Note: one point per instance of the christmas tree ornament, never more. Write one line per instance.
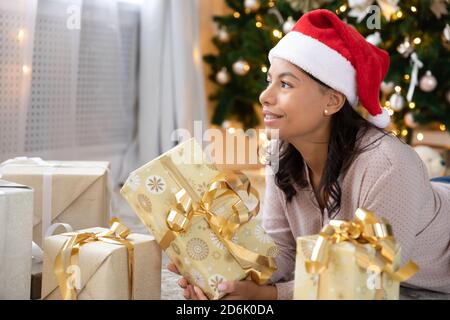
(405, 48)
(223, 77)
(307, 5)
(409, 120)
(223, 35)
(288, 25)
(226, 124)
(360, 8)
(387, 87)
(397, 102)
(374, 38)
(428, 82)
(241, 67)
(446, 37)
(439, 8)
(417, 64)
(251, 5)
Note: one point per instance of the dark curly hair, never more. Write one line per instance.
(347, 128)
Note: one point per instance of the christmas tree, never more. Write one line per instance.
(416, 34)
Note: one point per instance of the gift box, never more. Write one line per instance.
(16, 217)
(74, 192)
(110, 264)
(356, 260)
(202, 218)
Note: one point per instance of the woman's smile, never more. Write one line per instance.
(271, 118)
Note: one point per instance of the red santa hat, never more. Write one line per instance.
(336, 54)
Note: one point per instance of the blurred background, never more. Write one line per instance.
(112, 79)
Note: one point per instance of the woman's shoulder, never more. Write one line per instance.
(384, 147)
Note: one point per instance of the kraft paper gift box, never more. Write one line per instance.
(16, 225)
(102, 271)
(73, 192)
(351, 270)
(200, 253)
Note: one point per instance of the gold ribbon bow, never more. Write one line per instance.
(224, 187)
(365, 229)
(117, 234)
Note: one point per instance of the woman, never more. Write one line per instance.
(333, 161)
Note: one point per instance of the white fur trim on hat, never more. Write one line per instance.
(319, 60)
(381, 120)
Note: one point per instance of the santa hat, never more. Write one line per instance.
(336, 54)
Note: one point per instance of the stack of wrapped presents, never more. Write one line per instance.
(60, 240)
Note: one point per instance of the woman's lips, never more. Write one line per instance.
(270, 118)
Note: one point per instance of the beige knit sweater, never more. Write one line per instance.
(390, 180)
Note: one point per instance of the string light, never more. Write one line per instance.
(399, 14)
(417, 40)
(413, 9)
(271, 4)
(406, 76)
(412, 105)
(420, 136)
(442, 127)
(25, 69)
(391, 112)
(398, 89)
(262, 136)
(277, 33)
(231, 130)
(343, 8)
(387, 104)
(20, 35)
(404, 133)
(264, 68)
(258, 24)
(236, 14)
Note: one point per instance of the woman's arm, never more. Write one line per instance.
(276, 224)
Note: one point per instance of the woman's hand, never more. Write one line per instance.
(247, 290)
(191, 292)
(235, 290)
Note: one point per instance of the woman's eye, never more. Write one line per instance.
(285, 85)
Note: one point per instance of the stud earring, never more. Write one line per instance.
(326, 112)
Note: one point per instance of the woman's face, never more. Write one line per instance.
(293, 103)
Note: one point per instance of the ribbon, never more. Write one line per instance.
(117, 234)
(47, 184)
(417, 64)
(228, 187)
(365, 229)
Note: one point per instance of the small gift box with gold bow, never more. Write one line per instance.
(101, 264)
(202, 218)
(356, 260)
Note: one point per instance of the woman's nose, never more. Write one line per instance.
(267, 97)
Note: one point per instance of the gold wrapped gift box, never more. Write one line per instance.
(202, 218)
(64, 190)
(97, 264)
(356, 260)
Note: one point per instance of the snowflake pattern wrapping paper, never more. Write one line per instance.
(197, 252)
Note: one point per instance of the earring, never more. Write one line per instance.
(325, 112)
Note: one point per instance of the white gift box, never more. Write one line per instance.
(16, 229)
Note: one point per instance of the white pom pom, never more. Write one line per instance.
(380, 120)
